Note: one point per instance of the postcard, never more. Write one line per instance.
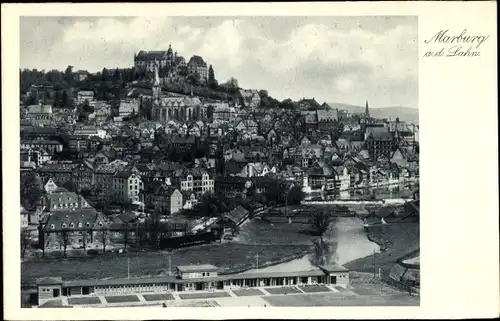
(255, 160)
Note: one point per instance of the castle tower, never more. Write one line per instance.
(170, 53)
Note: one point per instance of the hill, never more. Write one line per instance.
(404, 113)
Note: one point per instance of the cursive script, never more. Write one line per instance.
(443, 37)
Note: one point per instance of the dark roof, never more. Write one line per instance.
(237, 214)
(151, 55)
(197, 60)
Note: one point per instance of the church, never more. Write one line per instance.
(177, 108)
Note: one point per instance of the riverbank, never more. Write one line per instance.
(395, 240)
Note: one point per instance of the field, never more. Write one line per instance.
(122, 298)
(260, 231)
(338, 299)
(84, 301)
(158, 297)
(314, 288)
(282, 290)
(247, 292)
(396, 240)
(230, 257)
(206, 295)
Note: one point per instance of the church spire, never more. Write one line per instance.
(156, 81)
(367, 112)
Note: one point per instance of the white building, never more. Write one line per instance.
(127, 186)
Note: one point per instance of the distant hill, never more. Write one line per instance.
(404, 113)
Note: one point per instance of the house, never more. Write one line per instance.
(247, 126)
(81, 75)
(29, 133)
(257, 169)
(232, 186)
(39, 115)
(190, 200)
(61, 173)
(61, 199)
(379, 141)
(308, 104)
(36, 155)
(126, 186)
(194, 180)
(320, 176)
(77, 227)
(238, 215)
(51, 146)
(251, 98)
(49, 185)
(83, 176)
(163, 199)
(89, 131)
(327, 119)
(104, 178)
(182, 143)
(197, 65)
(128, 108)
(84, 95)
(24, 217)
(311, 121)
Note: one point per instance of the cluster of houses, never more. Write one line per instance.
(122, 155)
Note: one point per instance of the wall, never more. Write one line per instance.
(45, 292)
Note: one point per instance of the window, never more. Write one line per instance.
(72, 225)
(100, 224)
(52, 226)
(63, 225)
(88, 224)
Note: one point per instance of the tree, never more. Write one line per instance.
(295, 195)
(212, 83)
(105, 75)
(126, 235)
(31, 190)
(103, 237)
(320, 222)
(63, 240)
(323, 252)
(65, 101)
(25, 241)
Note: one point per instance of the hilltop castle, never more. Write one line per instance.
(170, 64)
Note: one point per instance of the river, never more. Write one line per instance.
(351, 243)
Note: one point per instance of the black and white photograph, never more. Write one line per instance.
(256, 161)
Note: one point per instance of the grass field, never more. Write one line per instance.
(83, 301)
(121, 298)
(396, 239)
(207, 295)
(282, 290)
(259, 231)
(158, 297)
(314, 288)
(230, 257)
(247, 292)
(338, 299)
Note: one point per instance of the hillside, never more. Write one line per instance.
(404, 113)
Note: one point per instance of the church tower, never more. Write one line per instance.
(367, 111)
(156, 84)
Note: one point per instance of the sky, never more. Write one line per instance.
(332, 59)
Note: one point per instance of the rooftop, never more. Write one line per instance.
(197, 268)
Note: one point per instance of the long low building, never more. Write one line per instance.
(188, 278)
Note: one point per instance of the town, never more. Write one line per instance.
(161, 161)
